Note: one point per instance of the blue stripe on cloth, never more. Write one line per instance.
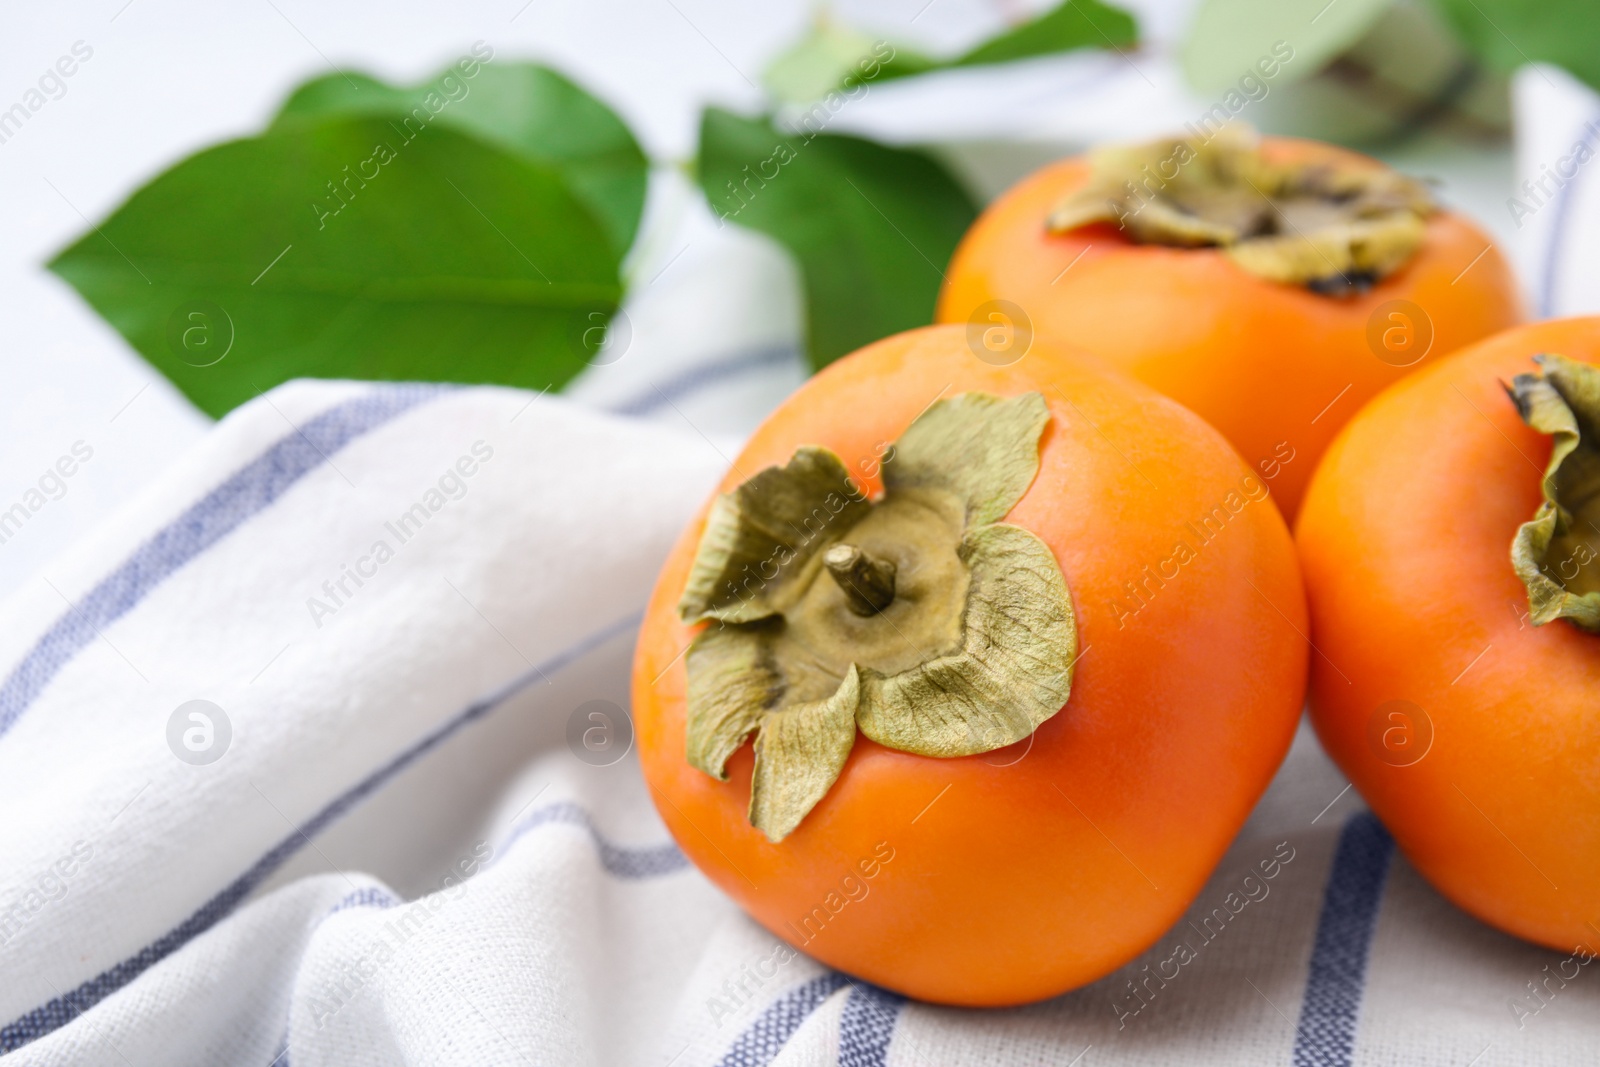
(371, 896)
(1327, 1032)
(61, 1010)
(250, 490)
(697, 378)
(773, 1028)
(867, 1026)
(1558, 227)
(631, 863)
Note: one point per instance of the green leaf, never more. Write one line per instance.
(1229, 37)
(832, 56)
(434, 257)
(1074, 24)
(1506, 34)
(872, 227)
(526, 108)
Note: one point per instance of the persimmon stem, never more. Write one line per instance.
(868, 582)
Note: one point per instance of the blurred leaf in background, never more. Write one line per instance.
(872, 227)
(1227, 37)
(833, 56)
(375, 242)
(524, 107)
(1074, 24)
(1379, 71)
(1509, 33)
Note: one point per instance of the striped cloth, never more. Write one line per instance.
(1556, 201)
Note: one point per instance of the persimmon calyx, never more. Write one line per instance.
(1335, 229)
(1552, 552)
(766, 524)
(935, 629)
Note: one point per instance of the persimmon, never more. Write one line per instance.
(1020, 647)
(1452, 604)
(1271, 287)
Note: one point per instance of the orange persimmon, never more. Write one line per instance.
(1463, 713)
(1037, 866)
(1277, 367)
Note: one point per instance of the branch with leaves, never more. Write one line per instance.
(473, 228)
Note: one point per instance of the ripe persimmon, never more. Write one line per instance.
(1271, 287)
(1020, 648)
(1456, 682)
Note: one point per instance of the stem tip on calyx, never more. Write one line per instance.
(868, 582)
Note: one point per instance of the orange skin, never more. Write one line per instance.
(1031, 870)
(1277, 368)
(1405, 543)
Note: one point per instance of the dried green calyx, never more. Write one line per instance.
(1335, 229)
(919, 618)
(1557, 554)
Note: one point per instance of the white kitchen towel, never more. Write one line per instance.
(1555, 205)
(385, 838)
